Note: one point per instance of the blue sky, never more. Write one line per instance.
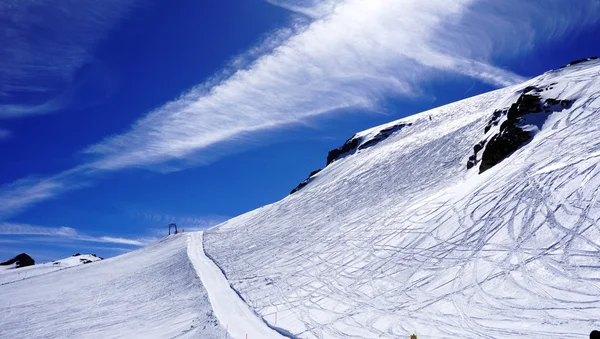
(121, 116)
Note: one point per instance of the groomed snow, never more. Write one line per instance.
(150, 293)
(402, 238)
(232, 312)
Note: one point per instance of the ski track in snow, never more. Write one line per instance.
(232, 312)
(153, 292)
(401, 238)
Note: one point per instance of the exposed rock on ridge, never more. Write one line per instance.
(21, 260)
(521, 120)
(352, 145)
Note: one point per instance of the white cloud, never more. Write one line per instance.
(22, 193)
(118, 240)
(23, 229)
(67, 233)
(311, 8)
(19, 195)
(43, 44)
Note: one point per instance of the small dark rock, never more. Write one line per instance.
(305, 182)
(478, 147)
(471, 162)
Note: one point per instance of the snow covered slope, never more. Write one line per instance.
(11, 273)
(479, 219)
(150, 293)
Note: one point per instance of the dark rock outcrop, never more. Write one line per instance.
(529, 109)
(382, 135)
(306, 181)
(580, 61)
(352, 145)
(473, 158)
(349, 146)
(21, 260)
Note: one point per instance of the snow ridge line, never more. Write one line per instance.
(229, 308)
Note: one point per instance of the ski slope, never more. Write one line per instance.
(401, 237)
(239, 319)
(153, 292)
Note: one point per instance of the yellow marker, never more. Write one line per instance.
(413, 336)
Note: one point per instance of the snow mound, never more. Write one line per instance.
(407, 235)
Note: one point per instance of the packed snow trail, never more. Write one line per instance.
(231, 311)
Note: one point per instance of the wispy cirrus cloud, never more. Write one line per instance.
(311, 8)
(26, 229)
(68, 233)
(44, 43)
(20, 194)
(356, 54)
(348, 53)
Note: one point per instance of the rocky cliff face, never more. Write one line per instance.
(519, 124)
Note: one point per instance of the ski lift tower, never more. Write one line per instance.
(173, 226)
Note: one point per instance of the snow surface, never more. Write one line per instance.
(153, 292)
(8, 267)
(401, 237)
(232, 312)
(13, 274)
(389, 240)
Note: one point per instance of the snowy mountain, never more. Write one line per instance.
(479, 219)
